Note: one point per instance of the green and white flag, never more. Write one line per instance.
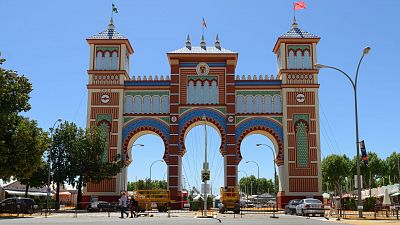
(114, 9)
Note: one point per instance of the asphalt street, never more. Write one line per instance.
(175, 219)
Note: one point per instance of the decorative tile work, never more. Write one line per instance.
(146, 122)
(143, 93)
(163, 118)
(203, 78)
(100, 117)
(147, 83)
(302, 144)
(301, 47)
(101, 48)
(240, 118)
(104, 122)
(277, 128)
(297, 117)
(258, 83)
(184, 109)
(278, 118)
(259, 92)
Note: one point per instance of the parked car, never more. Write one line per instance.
(310, 206)
(18, 205)
(290, 208)
(100, 206)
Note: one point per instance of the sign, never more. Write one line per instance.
(205, 188)
(355, 181)
(364, 153)
(205, 175)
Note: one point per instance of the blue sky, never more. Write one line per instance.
(45, 40)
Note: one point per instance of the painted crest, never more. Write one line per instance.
(202, 69)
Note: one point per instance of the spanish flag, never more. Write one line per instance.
(299, 5)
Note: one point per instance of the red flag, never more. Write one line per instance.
(299, 5)
(204, 24)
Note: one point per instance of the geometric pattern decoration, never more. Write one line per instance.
(302, 144)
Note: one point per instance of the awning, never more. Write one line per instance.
(395, 194)
(22, 193)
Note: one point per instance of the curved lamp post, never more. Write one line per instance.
(150, 169)
(354, 84)
(258, 172)
(49, 160)
(245, 186)
(273, 154)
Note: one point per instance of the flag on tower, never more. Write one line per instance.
(114, 9)
(300, 5)
(203, 24)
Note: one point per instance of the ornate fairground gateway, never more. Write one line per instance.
(202, 81)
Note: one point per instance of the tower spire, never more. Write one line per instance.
(203, 43)
(217, 43)
(294, 24)
(188, 43)
(111, 24)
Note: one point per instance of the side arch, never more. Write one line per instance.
(139, 127)
(263, 126)
(216, 119)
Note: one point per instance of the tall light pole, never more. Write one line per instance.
(354, 84)
(245, 186)
(49, 162)
(275, 193)
(125, 176)
(150, 169)
(258, 173)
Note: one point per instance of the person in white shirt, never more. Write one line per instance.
(122, 204)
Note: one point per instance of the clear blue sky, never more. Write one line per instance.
(45, 40)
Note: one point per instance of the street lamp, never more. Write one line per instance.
(125, 177)
(49, 160)
(273, 154)
(152, 166)
(354, 84)
(258, 172)
(245, 186)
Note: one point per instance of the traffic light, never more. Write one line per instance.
(364, 153)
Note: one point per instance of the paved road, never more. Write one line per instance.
(176, 219)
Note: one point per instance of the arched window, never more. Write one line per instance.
(307, 60)
(291, 60)
(128, 104)
(249, 104)
(99, 60)
(198, 92)
(258, 106)
(302, 143)
(190, 94)
(107, 61)
(214, 92)
(127, 63)
(114, 61)
(268, 104)
(277, 104)
(206, 92)
(299, 60)
(156, 104)
(137, 104)
(146, 104)
(240, 104)
(164, 104)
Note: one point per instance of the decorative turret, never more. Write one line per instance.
(188, 44)
(217, 43)
(203, 43)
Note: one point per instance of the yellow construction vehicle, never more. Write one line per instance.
(149, 199)
(230, 200)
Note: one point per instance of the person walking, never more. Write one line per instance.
(122, 204)
(134, 206)
(331, 207)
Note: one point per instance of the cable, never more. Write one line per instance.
(330, 129)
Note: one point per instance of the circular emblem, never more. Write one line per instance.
(230, 119)
(300, 97)
(174, 119)
(105, 98)
(202, 69)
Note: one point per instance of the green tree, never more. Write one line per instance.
(14, 98)
(335, 170)
(85, 160)
(64, 141)
(266, 185)
(375, 171)
(37, 179)
(393, 163)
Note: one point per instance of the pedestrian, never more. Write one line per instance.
(134, 207)
(330, 207)
(122, 204)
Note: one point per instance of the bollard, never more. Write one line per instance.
(108, 213)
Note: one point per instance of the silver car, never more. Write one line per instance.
(310, 206)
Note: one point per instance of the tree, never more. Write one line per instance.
(374, 172)
(393, 163)
(37, 179)
(266, 185)
(14, 97)
(85, 160)
(335, 170)
(64, 142)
